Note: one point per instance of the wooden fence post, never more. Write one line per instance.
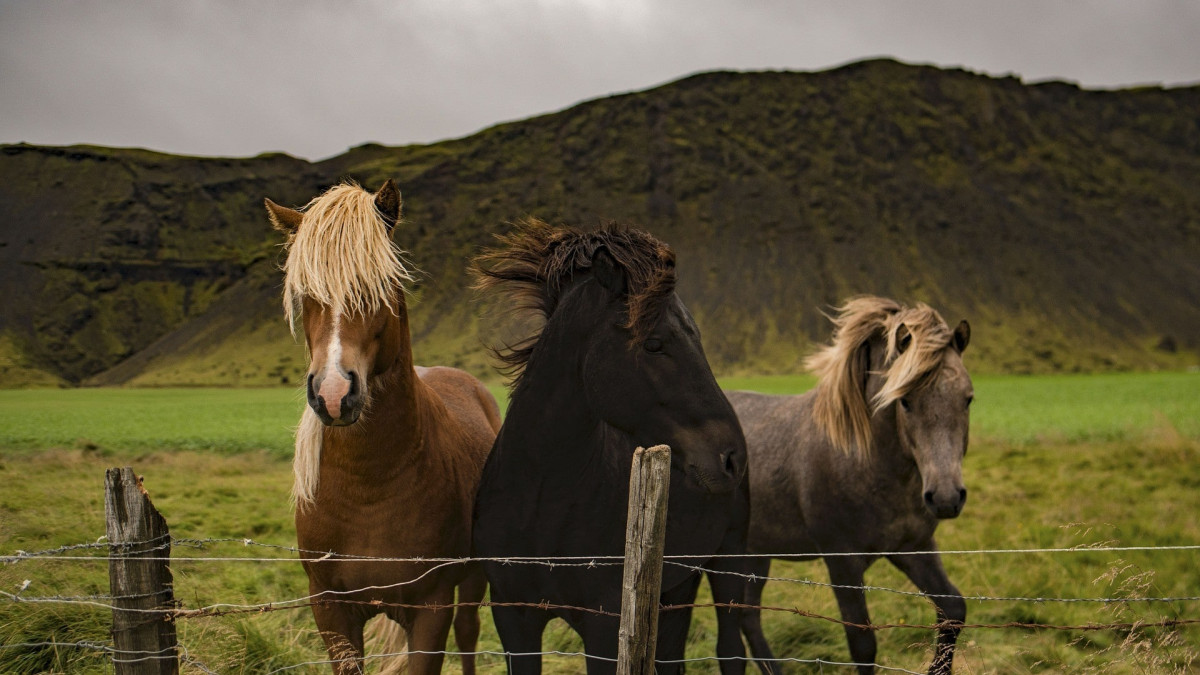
(645, 535)
(143, 639)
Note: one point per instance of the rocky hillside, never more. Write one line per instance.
(1063, 223)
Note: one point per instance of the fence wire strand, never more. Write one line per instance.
(101, 601)
(187, 658)
(197, 543)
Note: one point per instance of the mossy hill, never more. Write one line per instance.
(1063, 223)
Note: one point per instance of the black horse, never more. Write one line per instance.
(617, 364)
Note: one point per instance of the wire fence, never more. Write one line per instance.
(99, 551)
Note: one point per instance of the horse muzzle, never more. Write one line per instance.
(337, 401)
(945, 503)
(721, 475)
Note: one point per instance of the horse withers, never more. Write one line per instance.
(388, 454)
(864, 465)
(617, 364)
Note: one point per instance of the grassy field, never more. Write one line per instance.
(1008, 409)
(1055, 462)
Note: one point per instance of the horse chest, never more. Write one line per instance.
(392, 526)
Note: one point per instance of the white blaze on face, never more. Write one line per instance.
(334, 385)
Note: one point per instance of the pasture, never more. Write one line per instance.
(1055, 462)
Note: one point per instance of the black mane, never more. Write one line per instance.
(535, 262)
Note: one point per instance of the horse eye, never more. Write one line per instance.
(653, 345)
(904, 404)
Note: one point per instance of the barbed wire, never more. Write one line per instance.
(434, 564)
(201, 543)
(575, 562)
(700, 659)
(226, 609)
(922, 594)
(187, 658)
(305, 600)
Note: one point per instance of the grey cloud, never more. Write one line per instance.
(313, 78)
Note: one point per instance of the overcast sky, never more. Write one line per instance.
(240, 77)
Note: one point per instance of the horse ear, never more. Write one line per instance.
(607, 272)
(387, 200)
(282, 218)
(962, 336)
(903, 339)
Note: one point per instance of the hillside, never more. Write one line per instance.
(1063, 223)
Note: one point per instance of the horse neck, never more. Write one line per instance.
(393, 425)
(549, 411)
(887, 457)
(884, 459)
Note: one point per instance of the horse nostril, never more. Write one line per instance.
(962, 495)
(929, 497)
(312, 396)
(729, 461)
(353, 384)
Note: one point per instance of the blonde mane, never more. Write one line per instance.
(840, 408)
(307, 461)
(342, 256)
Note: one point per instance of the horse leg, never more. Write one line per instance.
(341, 627)
(600, 642)
(751, 617)
(927, 573)
(466, 618)
(520, 630)
(846, 574)
(727, 579)
(673, 626)
(427, 636)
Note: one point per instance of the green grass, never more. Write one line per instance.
(1055, 462)
(222, 420)
(226, 420)
(1103, 407)
(1011, 409)
(1070, 408)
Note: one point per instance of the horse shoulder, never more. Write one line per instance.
(772, 425)
(459, 426)
(464, 402)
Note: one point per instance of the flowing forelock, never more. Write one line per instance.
(840, 408)
(532, 265)
(342, 256)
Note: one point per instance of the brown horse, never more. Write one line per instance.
(388, 454)
(867, 463)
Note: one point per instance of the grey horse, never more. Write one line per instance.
(867, 464)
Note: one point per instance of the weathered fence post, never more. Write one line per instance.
(140, 578)
(645, 534)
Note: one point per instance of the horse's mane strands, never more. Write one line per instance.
(908, 371)
(342, 256)
(307, 463)
(840, 408)
(534, 263)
